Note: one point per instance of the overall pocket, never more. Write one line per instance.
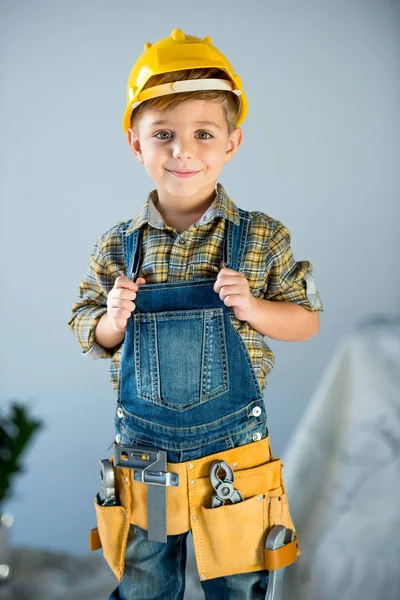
(113, 528)
(180, 357)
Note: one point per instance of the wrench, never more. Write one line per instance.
(278, 536)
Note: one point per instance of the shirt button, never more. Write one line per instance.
(182, 241)
(120, 412)
(256, 412)
(118, 438)
(256, 436)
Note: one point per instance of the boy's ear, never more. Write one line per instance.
(235, 140)
(134, 143)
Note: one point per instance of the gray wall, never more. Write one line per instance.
(320, 153)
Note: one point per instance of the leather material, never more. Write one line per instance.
(216, 531)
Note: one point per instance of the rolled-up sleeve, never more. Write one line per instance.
(286, 279)
(92, 305)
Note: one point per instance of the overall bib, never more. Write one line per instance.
(187, 385)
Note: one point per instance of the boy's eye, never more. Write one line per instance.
(168, 134)
(161, 132)
(206, 132)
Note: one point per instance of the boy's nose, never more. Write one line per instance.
(182, 151)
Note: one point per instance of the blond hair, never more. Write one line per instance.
(230, 102)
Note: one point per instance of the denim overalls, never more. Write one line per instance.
(186, 385)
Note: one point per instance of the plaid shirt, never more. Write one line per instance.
(167, 255)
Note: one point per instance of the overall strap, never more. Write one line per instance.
(132, 251)
(235, 240)
(234, 245)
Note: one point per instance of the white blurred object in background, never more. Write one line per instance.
(342, 473)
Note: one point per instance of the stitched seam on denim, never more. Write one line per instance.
(182, 407)
(181, 314)
(230, 243)
(119, 384)
(251, 428)
(115, 380)
(234, 231)
(205, 426)
(241, 229)
(204, 356)
(125, 247)
(138, 253)
(249, 362)
(155, 396)
(243, 241)
(150, 439)
(222, 341)
(168, 284)
(154, 361)
(137, 357)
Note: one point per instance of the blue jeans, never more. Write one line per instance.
(156, 571)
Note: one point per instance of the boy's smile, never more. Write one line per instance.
(184, 150)
(184, 173)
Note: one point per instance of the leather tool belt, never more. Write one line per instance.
(216, 531)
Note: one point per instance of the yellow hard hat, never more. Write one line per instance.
(178, 52)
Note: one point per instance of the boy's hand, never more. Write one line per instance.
(233, 289)
(119, 301)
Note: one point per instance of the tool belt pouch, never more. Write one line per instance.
(113, 524)
(230, 539)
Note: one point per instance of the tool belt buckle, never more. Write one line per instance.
(149, 466)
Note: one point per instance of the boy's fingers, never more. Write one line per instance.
(124, 282)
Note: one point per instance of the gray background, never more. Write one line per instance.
(320, 153)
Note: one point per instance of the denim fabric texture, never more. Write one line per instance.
(156, 571)
(186, 385)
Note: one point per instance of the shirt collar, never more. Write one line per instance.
(221, 206)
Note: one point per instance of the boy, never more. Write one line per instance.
(180, 298)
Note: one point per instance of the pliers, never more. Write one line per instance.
(224, 489)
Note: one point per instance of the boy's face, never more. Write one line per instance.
(192, 136)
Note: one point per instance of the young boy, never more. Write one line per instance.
(180, 298)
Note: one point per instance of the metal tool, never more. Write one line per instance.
(224, 489)
(278, 536)
(106, 495)
(141, 459)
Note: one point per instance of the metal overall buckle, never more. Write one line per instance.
(149, 466)
(224, 489)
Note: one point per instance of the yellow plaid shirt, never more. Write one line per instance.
(167, 255)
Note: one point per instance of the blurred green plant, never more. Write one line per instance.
(16, 430)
